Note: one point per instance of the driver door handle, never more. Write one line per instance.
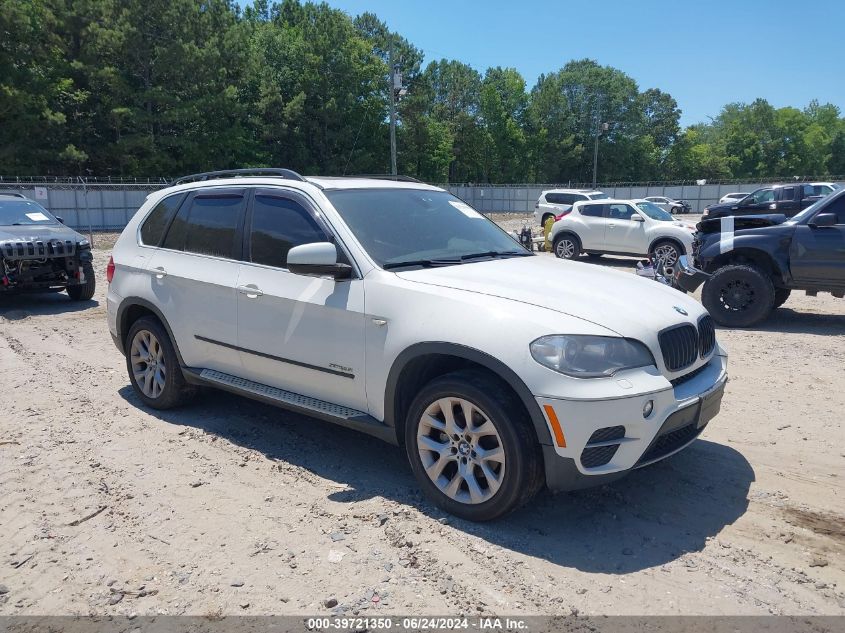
(159, 273)
(251, 291)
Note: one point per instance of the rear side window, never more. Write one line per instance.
(787, 193)
(593, 210)
(279, 224)
(562, 198)
(207, 226)
(154, 226)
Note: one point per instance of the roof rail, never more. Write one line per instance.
(274, 172)
(398, 178)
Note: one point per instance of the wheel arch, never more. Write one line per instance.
(749, 256)
(422, 362)
(132, 309)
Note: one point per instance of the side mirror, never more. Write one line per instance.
(318, 259)
(823, 220)
(61, 220)
(637, 218)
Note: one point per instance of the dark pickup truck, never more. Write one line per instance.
(786, 199)
(750, 264)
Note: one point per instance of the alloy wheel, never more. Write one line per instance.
(461, 450)
(565, 248)
(148, 366)
(667, 254)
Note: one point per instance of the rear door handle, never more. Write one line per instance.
(159, 273)
(251, 290)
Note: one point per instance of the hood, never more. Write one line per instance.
(714, 225)
(42, 232)
(622, 302)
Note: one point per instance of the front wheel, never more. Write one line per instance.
(85, 290)
(666, 252)
(471, 446)
(738, 296)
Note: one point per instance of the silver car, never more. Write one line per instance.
(670, 204)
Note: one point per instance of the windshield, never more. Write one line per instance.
(21, 212)
(654, 212)
(809, 211)
(416, 227)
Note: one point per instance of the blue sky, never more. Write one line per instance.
(705, 54)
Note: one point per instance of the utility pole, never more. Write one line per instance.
(600, 127)
(392, 90)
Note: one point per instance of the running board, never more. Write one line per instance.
(338, 414)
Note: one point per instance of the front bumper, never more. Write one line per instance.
(687, 277)
(605, 439)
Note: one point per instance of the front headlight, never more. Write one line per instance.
(583, 356)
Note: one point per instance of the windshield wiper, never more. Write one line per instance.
(425, 263)
(495, 254)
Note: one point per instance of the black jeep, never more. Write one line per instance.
(750, 264)
(38, 253)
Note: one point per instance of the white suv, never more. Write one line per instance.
(393, 308)
(621, 227)
(555, 202)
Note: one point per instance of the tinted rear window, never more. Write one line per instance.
(154, 226)
(593, 210)
(207, 226)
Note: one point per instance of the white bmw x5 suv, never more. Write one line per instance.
(393, 308)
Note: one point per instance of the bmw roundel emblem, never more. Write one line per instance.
(680, 310)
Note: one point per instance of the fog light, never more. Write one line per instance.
(648, 407)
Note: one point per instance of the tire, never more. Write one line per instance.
(166, 387)
(489, 402)
(781, 295)
(566, 246)
(738, 296)
(669, 250)
(84, 291)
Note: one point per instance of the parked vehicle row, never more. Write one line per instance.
(393, 308)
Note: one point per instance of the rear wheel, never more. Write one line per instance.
(781, 295)
(471, 446)
(738, 295)
(154, 366)
(566, 246)
(85, 290)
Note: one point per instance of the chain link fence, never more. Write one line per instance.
(89, 204)
(107, 204)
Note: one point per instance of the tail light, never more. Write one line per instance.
(558, 217)
(110, 269)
